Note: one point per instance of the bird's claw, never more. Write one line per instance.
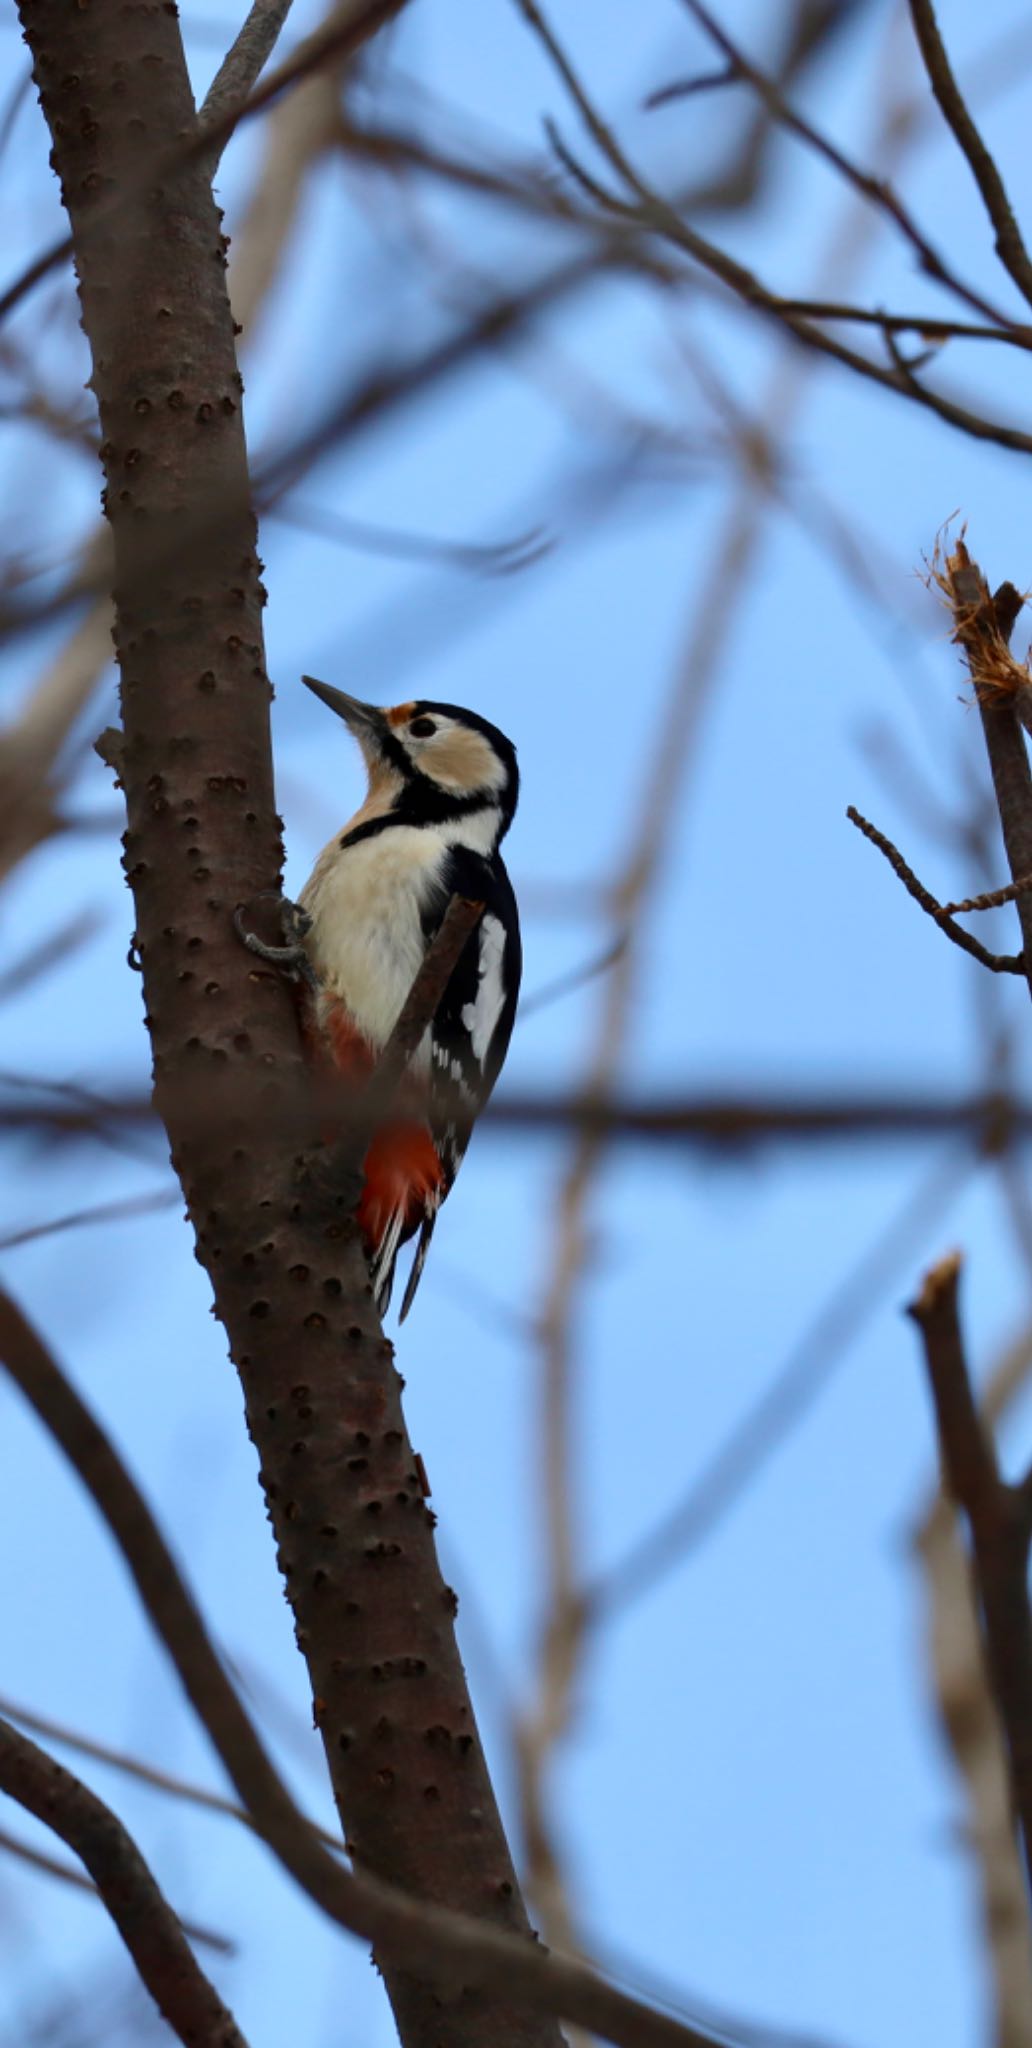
(291, 957)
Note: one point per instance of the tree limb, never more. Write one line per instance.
(241, 66)
(1010, 246)
(66, 1873)
(998, 963)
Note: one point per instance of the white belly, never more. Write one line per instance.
(366, 941)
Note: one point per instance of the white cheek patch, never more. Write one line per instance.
(481, 1017)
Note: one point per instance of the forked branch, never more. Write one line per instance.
(998, 963)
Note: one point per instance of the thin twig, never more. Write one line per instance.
(339, 38)
(998, 963)
(998, 1519)
(1010, 246)
(102, 1212)
(921, 324)
(144, 1773)
(993, 899)
(242, 66)
(144, 1919)
(655, 215)
(66, 1873)
(873, 189)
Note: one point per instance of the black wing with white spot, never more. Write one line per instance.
(470, 1033)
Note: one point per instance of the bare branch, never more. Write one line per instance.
(347, 31)
(144, 1773)
(998, 963)
(991, 899)
(876, 190)
(656, 215)
(1010, 246)
(66, 1873)
(148, 1926)
(242, 66)
(102, 1212)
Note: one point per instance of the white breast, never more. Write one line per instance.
(367, 941)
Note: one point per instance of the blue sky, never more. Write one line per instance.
(754, 1800)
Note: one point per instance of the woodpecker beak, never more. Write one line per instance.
(366, 721)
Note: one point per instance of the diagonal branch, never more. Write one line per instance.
(650, 212)
(1010, 246)
(241, 67)
(136, 1767)
(999, 963)
(876, 190)
(348, 29)
(66, 1873)
(144, 1919)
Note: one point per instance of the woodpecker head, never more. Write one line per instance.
(428, 762)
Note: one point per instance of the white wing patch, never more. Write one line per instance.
(480, 1017)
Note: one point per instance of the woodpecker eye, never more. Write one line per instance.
(422, 728)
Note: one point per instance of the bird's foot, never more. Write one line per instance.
(291, 957)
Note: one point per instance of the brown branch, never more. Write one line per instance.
(999, 1525)
(921, 324)
(144, 1773)
(347, 30)
(241, 66)
(731, 1123)
(1010, 246)
(444, 1948)
(656, 215)
(101, 1212)
(144, 1919)
(998, 963)
(66, 1873)
(991, 899)
(875, 190)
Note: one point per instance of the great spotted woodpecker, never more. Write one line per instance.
(443, 785)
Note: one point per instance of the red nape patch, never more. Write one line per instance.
(402, 1171)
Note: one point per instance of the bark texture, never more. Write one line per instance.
(373, 1616)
